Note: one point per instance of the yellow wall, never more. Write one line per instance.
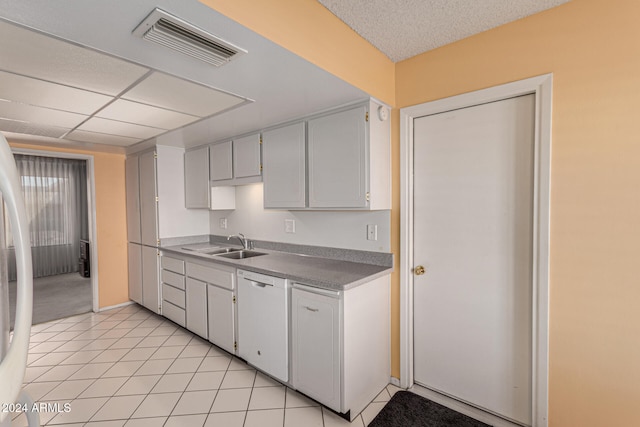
(111, 223)
(592, 47)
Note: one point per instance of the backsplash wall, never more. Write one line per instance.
(340, 229)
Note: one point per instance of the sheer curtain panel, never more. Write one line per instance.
(55, 194)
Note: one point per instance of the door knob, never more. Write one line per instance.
(419, 270)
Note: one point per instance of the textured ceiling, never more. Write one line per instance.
(404, 28)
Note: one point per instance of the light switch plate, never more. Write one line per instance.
(289, 225)
(222, 222)
(372, 232)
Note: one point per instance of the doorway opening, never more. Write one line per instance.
(59, 199)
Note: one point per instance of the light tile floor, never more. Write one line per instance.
(130, 367)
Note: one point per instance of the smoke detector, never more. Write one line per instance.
(170, 31)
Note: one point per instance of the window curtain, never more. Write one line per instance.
(55, 195)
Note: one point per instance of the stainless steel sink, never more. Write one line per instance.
(200, 248)
(241, 254)
(220, 251)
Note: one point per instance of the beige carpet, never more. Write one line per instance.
(55, 297)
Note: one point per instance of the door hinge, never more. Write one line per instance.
(158, 243)
(155, 155)
(234, 299)
(366, 116)
(368, 196)
(157, 199)
(260, 167)
(260, 139)
(235, 345)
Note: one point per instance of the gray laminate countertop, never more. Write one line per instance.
(315, 271)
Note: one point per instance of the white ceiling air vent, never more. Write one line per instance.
(174, 33)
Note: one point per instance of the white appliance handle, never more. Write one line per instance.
(14, 365)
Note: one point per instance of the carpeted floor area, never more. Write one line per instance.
(406, 409)
(55, 297)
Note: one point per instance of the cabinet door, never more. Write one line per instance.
(220, 161)
(338, 164)
(135, 272)
(221, 318)
(284, 174)
(246, 156)
(196, 178)
(148, 203)
(150, 285)
(133, 199)
(315, 335)
(196, 307)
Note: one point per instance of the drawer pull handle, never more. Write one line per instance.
(311, 309)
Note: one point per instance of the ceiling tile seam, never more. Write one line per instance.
(225, 92)
(114, 99)
(43, 107)
(54, 83)
(233, 107)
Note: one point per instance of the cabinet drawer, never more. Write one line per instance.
(219, 277)
(174, 313)
(173, 264)
(173, 295)
(173, 279)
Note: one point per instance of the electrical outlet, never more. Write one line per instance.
(222, 222)
(289, 225)
(372, 232)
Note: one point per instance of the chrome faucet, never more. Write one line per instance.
(246, 243)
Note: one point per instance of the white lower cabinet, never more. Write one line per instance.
(150, 287)
(196, 307)
(219, 313)
(173, 289)
(222, 315)
(315, 330)
(135, 272)
(340, 344)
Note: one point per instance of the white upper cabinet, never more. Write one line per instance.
(284, 158)
(133, 199)
(221, 161)
(148, 199)
(235, 162)
(342, 162)
(338, 170)
(196, 175)
(246, 156)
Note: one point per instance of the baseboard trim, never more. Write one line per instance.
(395, 381)
(111, 307)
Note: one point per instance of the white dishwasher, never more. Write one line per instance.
(263, 333)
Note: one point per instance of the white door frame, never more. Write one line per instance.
(541, 86)
(91, 209)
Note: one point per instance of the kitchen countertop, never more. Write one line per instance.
(320, 272)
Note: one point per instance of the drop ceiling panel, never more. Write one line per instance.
(177, 94)
(133, 112)
(26, 90)
(16, 126)
(40, 115)
(96, 124)
(29, 53)
(101, 138)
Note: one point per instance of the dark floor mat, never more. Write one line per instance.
(406, 409)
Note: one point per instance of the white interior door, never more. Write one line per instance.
(473, 233)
